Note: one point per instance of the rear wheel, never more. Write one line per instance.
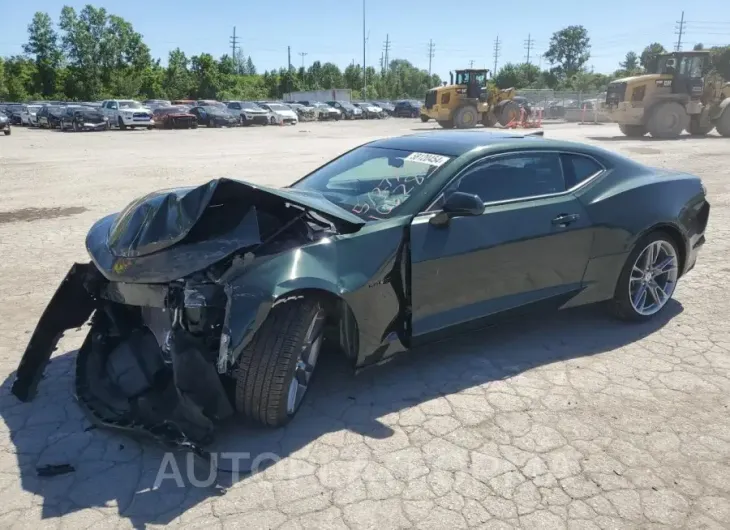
(446, 124)
(723, 123)
(466, 117)
(75, 126)
(489, 119)
(276, 368)
(668, 120)
(6, 132)
(424, 118)
(648, 278)
(699, 125)
(120, 122)
(508, 112)
(632, 131)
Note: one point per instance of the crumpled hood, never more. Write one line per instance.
(169, 234)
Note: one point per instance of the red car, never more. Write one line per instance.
(174, 118)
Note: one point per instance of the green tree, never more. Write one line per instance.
(569, 50)
(648, 58)
(3, 88)
(177, 79)
(518, 76)
(43, 45)
(330, 76)
(699, 46)
(720, 61)
(205, 76)
(630, 62)
(20, 73)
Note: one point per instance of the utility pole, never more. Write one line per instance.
(303, 54)
(496, 55)
(382, 62)
(431, 48)
(288, 57)
(234, 44)
(364, 70)
(386, 49)
(528, 44)
(680, 31)
(471, 63)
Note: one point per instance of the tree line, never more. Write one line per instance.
(93, 54)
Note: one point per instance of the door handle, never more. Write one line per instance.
(565, 219)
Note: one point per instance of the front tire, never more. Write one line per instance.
(668, 120)
(6, 132)
(723, 123)
(276, 368)
(466, 117)
(424, 119)
(120, 122)
(632, 131)
(648, 279)
(446, 124)
(508, 112)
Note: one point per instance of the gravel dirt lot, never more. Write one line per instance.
(561, 421)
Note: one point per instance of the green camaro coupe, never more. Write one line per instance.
(214, 300)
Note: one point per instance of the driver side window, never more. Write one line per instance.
(513, 177)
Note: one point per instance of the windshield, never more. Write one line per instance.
(250, 106)
(374, 183)
(130, 105)
(218, 111)
(278, 106)
(346, 105)
(34, 108)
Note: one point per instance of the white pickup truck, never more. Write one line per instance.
(125, 113)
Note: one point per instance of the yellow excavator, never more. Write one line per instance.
(677, 95)
(469, 101)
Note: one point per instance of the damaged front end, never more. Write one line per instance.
(163, 293)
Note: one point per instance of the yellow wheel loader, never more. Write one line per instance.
(676, 96)
(469, 101)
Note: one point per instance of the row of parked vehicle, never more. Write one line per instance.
(129, 114)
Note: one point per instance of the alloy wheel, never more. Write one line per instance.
(653, 277)
(306, 362)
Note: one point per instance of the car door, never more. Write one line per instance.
(531, 244)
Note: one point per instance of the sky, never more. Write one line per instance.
(332, 30)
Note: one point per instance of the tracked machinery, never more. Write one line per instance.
(468, 101)
(677, 95)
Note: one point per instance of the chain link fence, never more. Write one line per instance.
(564, 105)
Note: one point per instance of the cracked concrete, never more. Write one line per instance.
(559, 421)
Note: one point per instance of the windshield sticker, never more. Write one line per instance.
(427, 158)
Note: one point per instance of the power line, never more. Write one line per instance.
(431, 51)
(302, 54)
(681, 30)
(496, 54)
(529, 43)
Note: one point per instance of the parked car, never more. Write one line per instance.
(407, 109)
(49, 117)
(304, 112)
(13, 111)
(174, 117)
(127, 113)
(387, 107)
(83, 118)
(5, 126)
(280, 113)
(28, 115)
(348, 110)
(199, 290)
(369, 110)
(324, 111)
(214, 116)
(250, 112)
(210, 103)
(190, 103)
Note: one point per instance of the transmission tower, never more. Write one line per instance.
(431, 51)
(497, 49)
(234, 44)
(303, 54)
(680, 31)
(386, 52)
(529, 43)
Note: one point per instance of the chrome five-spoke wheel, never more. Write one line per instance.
(653, 277)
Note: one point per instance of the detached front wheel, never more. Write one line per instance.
(648, 279)
(276, 368)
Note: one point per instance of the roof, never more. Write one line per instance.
(457, 143)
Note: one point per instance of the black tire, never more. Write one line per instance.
(75, 126)
(632, 131)
(6, 132)
(507, 112)
(268, 364)
(466, 117)
(272, 121)
(194, 125)
(489, 119)
(446, 124)
(120, 122)
(621, 304)
(668, 120)
(723, 123)
(699, 127)
(424, 118)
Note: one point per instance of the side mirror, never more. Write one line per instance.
(458, 204)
